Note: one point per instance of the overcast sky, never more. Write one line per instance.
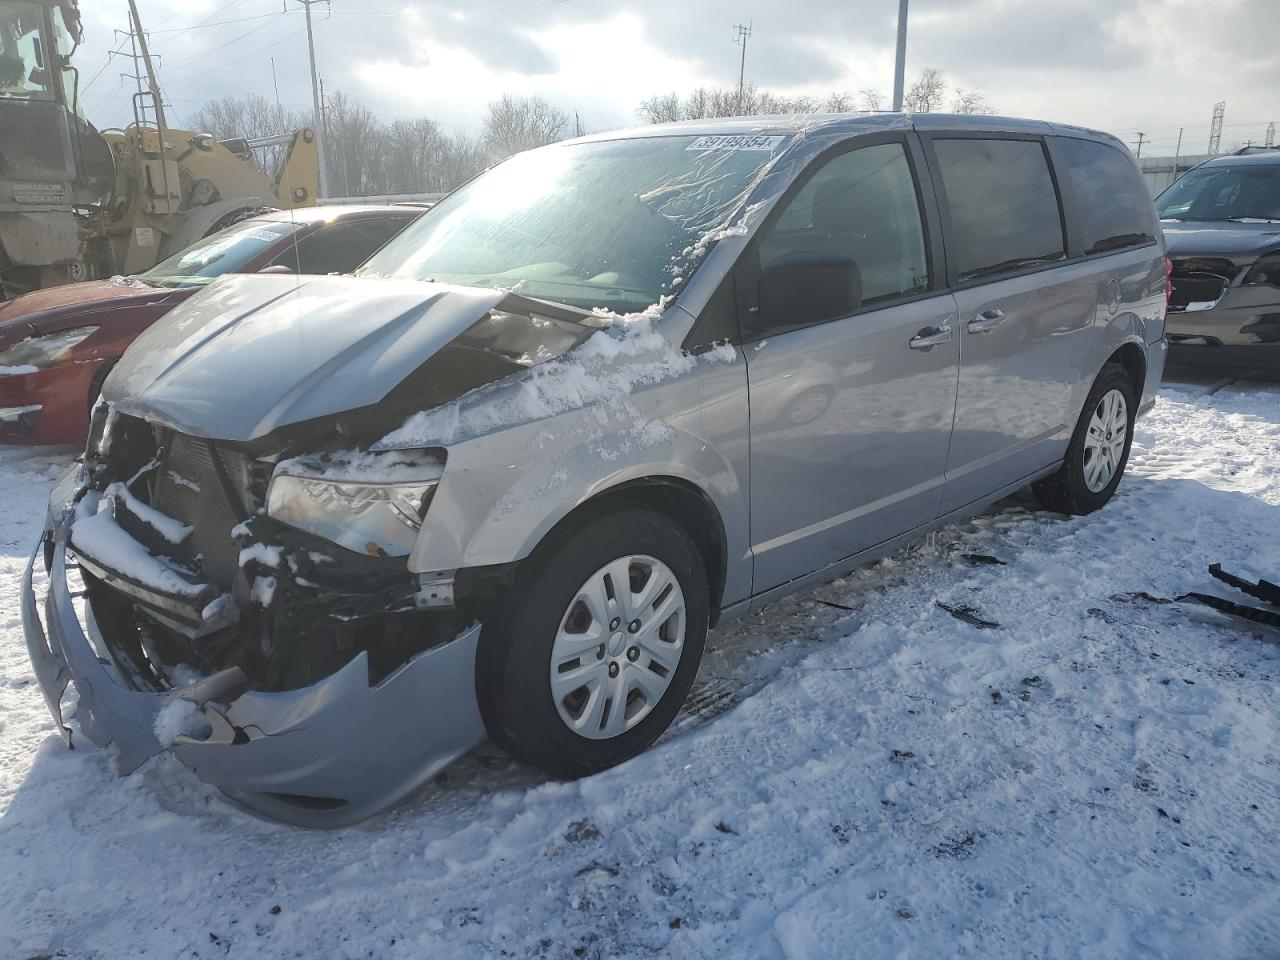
(1120, 65)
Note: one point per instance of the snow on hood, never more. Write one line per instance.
(252, 353)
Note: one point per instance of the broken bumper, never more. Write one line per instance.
(325, 756)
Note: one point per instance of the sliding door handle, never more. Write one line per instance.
(986, 321)
(930, 337)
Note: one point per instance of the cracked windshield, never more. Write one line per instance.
(590, 225)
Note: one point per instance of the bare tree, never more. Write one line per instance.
(251, 117)
(661, 108)
(838, 102)
(970, 101)
(871, 99)
(521, 123)
(926, 93)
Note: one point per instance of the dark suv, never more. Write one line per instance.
(1222, 224)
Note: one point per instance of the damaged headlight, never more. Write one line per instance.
(40, 352)
(377, 517)
(1265, 270)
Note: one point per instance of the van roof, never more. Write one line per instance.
(852, 124)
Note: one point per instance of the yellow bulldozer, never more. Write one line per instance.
(77, 203)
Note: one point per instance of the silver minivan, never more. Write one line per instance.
(332, 531)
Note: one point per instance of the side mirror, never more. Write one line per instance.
(276, 268)
(805, 288)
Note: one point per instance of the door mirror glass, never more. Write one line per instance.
(798, 289)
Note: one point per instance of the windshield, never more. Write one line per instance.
(608, 225)
(225, 252)
(1240, 192)
(24, 70)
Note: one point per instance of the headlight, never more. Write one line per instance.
(1266, 270)
(373, 517)
(44, 351)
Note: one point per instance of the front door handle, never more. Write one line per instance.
(986, 321)
(930, 337)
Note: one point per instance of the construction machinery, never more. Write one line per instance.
(78, 203)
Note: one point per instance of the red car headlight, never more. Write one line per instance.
(37, 353)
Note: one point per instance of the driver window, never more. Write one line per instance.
(861, 206)
(24, 70)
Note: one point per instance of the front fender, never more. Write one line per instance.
(504, 491)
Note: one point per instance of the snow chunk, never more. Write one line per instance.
(605, 370)
(263, 591)
(98, 535)
(180, 718)
(170, 529)
(182, 481)
(263, 554)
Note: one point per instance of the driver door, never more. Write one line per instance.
(851, 416)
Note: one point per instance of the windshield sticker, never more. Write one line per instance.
(744, 142)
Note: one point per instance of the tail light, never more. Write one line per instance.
(1168, 282)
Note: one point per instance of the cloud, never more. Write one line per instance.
(1116, 64)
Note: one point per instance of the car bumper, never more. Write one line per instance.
(328, 755)
(1242, 329)
(48, 406)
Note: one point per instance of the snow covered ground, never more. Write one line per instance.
(1098, 776)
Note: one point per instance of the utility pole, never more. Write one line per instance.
(742, 35)
(1141, 137)
(900, 64)
(317, 117)
(1215, 128)
(1177, 152)
(152, 84)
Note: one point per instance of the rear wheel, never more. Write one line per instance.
(599, 647)
(1099, 449)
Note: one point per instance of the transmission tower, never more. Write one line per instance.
(742, 33)
(1215, 129)
(1271, 134)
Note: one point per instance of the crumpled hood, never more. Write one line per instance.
(253, 353)
(1241, 242)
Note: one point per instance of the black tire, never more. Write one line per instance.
(515, 650)
(1067, 490)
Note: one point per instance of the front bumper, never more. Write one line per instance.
(1241, 330)
(328, 755)
(49, 406)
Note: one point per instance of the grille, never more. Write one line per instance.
(206, 486)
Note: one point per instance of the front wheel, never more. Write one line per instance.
(1099, 449)
(599, 646)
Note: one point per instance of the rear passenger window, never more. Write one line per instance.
(1004, 208)
(860, 205)
(1113, 207)
(341, 247)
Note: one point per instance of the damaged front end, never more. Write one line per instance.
(248, 600)
(315, 686)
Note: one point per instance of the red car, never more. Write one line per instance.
(57, 345)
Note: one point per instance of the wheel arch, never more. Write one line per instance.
(1134, 360)
(679, 500)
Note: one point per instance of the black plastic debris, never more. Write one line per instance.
(1263, 590)
(983, 560)
(968, 615)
